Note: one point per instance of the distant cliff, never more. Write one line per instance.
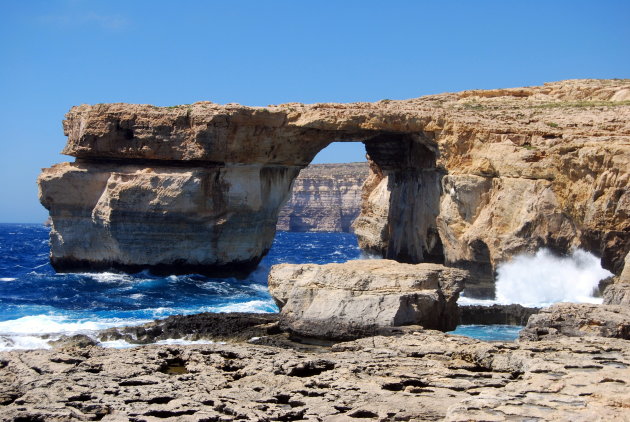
(325, 198)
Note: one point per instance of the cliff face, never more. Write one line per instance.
(467, 179)
(324, 198)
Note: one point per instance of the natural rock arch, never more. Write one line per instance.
(469, 178)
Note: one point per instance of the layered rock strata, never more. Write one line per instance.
(358, 298)
(324, 198)
(170, 219)
(424, 375)
(466, 179)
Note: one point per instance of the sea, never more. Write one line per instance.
(38, 305)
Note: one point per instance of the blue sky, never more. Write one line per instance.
(58, 53)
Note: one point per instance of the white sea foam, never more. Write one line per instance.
(369, 255)
(117, 344)
(28, 332)
(55, 324)
(544, 278)
(257, 306)
(106, 277)
(8, 279)
(180, 341)
(122, 344)
(22, 342)
(467, 301)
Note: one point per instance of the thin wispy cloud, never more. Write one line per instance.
(74, 19)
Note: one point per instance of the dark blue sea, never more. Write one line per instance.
(34, 300)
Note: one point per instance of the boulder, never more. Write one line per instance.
(578, 320)
(358, 298)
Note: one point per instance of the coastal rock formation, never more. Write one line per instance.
(217, 220)
(357, 298)
(467, 179)
(424, 375)
(578, 320)
(324, 198)
(513, 314)
(618, 292)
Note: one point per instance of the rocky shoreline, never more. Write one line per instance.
(259, 373)
(571, 362)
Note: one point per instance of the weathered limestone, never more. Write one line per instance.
(466, 179)
(424, 375)
(169, 219)
(618, 292)
(324, 198)
(357, 298)
(578, 320)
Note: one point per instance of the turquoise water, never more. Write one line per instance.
(489, 332)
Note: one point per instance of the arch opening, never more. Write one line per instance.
(398, 200)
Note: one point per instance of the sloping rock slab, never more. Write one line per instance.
(578, 320)
(358, 298)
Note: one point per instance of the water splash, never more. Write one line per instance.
(544, 278)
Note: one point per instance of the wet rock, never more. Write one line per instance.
(234, 326)
(76, 341)
(495, 314)
(358, 298)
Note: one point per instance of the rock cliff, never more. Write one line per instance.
(466, 179)
(324, 198)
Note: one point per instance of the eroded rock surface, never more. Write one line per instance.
(426, 375)
(324, 198)
(578, 320)
(618, 292)
(466, 179)
(357, 298)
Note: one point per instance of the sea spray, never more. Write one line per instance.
(544, 278)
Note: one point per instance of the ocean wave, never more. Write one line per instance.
(8, 279)
(544, 278)
(469, 301)
(57, 324)
(254, 306)
(108, 277)
(23, 342)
